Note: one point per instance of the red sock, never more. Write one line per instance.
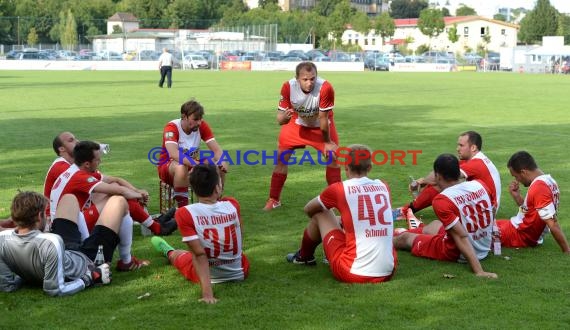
(137, 211)
(277, 183)
(424, 199)
(333, 175)
(181, 196)
(155, 228)
(308, 246)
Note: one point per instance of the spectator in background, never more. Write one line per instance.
(165, 67)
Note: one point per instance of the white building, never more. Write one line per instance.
(471, 30)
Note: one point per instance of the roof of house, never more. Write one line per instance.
(411, 22)
(123, 17)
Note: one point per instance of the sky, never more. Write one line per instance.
(489, 7)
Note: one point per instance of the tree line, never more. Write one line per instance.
(72, 22)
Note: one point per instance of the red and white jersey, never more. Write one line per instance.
(173, 133)
(540, 203)
(469, 204)
(58, 166)
(218, 227)
(480, 167)
(307, 105)
(77, 182)
(366, 216)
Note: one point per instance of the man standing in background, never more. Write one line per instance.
(165, 67)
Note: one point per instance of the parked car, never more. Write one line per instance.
(13, 54)
(322, 58)
(148, 55)
(194, 61)
(380, 64)
(109, 55)
(472, 58)
(434, 56)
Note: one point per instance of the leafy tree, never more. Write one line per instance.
(41, 17)
(32, 37)
(565, 27)
(431, 22)
(465, 11)
(69, 35)
(407, 8)
(117, 29)
(182, 12)
(265, 3)
(6, 26)
(445, 12)
(326, 7)
(338, 19)
(360, 22)
(500, 17)
(539, 22)
(149, 12)
(384, 26)
(452, 34)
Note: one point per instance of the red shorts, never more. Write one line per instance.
(334, 249)
(293, 136)
(510, 236)
(435, 247)
(164, 173)
(185, 266)
(91, 216)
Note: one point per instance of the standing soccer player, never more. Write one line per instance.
(305, 113)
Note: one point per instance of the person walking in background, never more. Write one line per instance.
(165, 67)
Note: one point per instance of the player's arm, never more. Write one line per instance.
(558, 234)
(285, 109)
(124, 183)
(313, 207)
(514, 190)
(217, 150)
(461, 239)
(9, 281)
(202, 267)
(113, 189)
(55, 283)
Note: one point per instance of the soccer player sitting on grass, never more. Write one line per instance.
(466, 214)
(537, 211)
(359, 247)
(212, 230)
(59, 261)
(63, 145)
(83, 180)
(474, 165)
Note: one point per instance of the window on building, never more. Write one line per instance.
(483, 31)
(503, 32)
(366, 42)
(466, 31)
(373, 41)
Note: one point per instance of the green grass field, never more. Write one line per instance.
(383, 110)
